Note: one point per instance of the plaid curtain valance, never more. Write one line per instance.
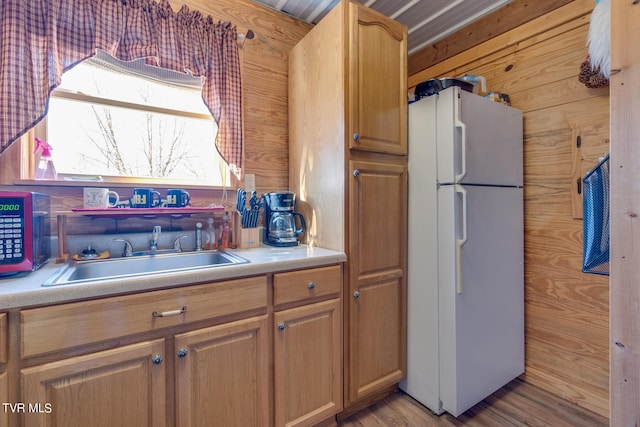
(40, 39)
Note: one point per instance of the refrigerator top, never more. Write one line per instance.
(479, 141)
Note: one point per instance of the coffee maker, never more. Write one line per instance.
(280, 219)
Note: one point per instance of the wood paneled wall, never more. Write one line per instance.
(265, 81)
(537, 65)
(567, 322)
(625, 204)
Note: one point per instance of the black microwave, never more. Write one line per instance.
(25, 231)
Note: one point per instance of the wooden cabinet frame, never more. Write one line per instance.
(347, 157)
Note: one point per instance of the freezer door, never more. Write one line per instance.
(479, 140)
(481, 292)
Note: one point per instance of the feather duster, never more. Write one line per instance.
(598, 38)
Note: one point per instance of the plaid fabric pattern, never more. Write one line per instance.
(40, 39)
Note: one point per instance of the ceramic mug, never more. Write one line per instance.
(145, 198)
(99, 198)
(177, 198)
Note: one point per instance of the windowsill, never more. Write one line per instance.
(114, 184)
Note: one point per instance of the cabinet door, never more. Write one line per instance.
(4, 390)
(377, 82)
(4, 398)
(4, 340)
(307, 355)
(222, 375)
(120, 387)
(376, 304)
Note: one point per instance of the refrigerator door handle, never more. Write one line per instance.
(460, 242)
(463, 142)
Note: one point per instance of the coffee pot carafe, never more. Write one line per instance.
(280, 219)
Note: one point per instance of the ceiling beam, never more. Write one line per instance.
(504, 19)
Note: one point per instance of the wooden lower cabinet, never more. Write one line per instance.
(221, 375)
(185, 369)
(307, 363)
(375, 304)
(4, 398)
(123, 386)
(376, 340)
(4, 382)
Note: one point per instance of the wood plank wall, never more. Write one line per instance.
(264, 67)
(537, 65)
(625, 204)
(567, 322)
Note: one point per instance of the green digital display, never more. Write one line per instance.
(9, 207)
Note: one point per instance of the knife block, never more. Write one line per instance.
(245, 237)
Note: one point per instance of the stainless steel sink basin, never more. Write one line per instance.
(156, 252)
(88, 271)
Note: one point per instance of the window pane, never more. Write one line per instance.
(95, 80)
(101, 136)
(100, 140)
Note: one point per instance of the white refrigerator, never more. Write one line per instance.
(465, 313)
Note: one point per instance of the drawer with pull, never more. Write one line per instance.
(64, 326)
(295, 286)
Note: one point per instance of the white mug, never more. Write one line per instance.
(98, 198)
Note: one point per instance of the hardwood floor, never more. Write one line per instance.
(516, 404)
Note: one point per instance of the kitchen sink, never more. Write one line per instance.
(156, 252)
(142, 265)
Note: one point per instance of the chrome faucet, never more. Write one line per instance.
(177, 246)
(153, 244)
(128, 249)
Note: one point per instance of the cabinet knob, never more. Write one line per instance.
(157, 359)
(356, 136)
(182, 353)
(281, 326)
(311, 285)
(356, 172)
(356, 294)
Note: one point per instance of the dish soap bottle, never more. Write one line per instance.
(224, 234)
(45, 169)
(209, 235)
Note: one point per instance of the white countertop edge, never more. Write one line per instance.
(27, 291)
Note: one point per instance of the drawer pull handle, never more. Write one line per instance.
(183, 310)
(281, 326)
(356, 294)
(311, 285)
(182, 353)
(157, 359)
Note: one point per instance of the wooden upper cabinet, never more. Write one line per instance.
(378, 220)
(377, 81)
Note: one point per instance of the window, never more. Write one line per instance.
(114, 119)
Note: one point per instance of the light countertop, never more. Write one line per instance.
(26, 290)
